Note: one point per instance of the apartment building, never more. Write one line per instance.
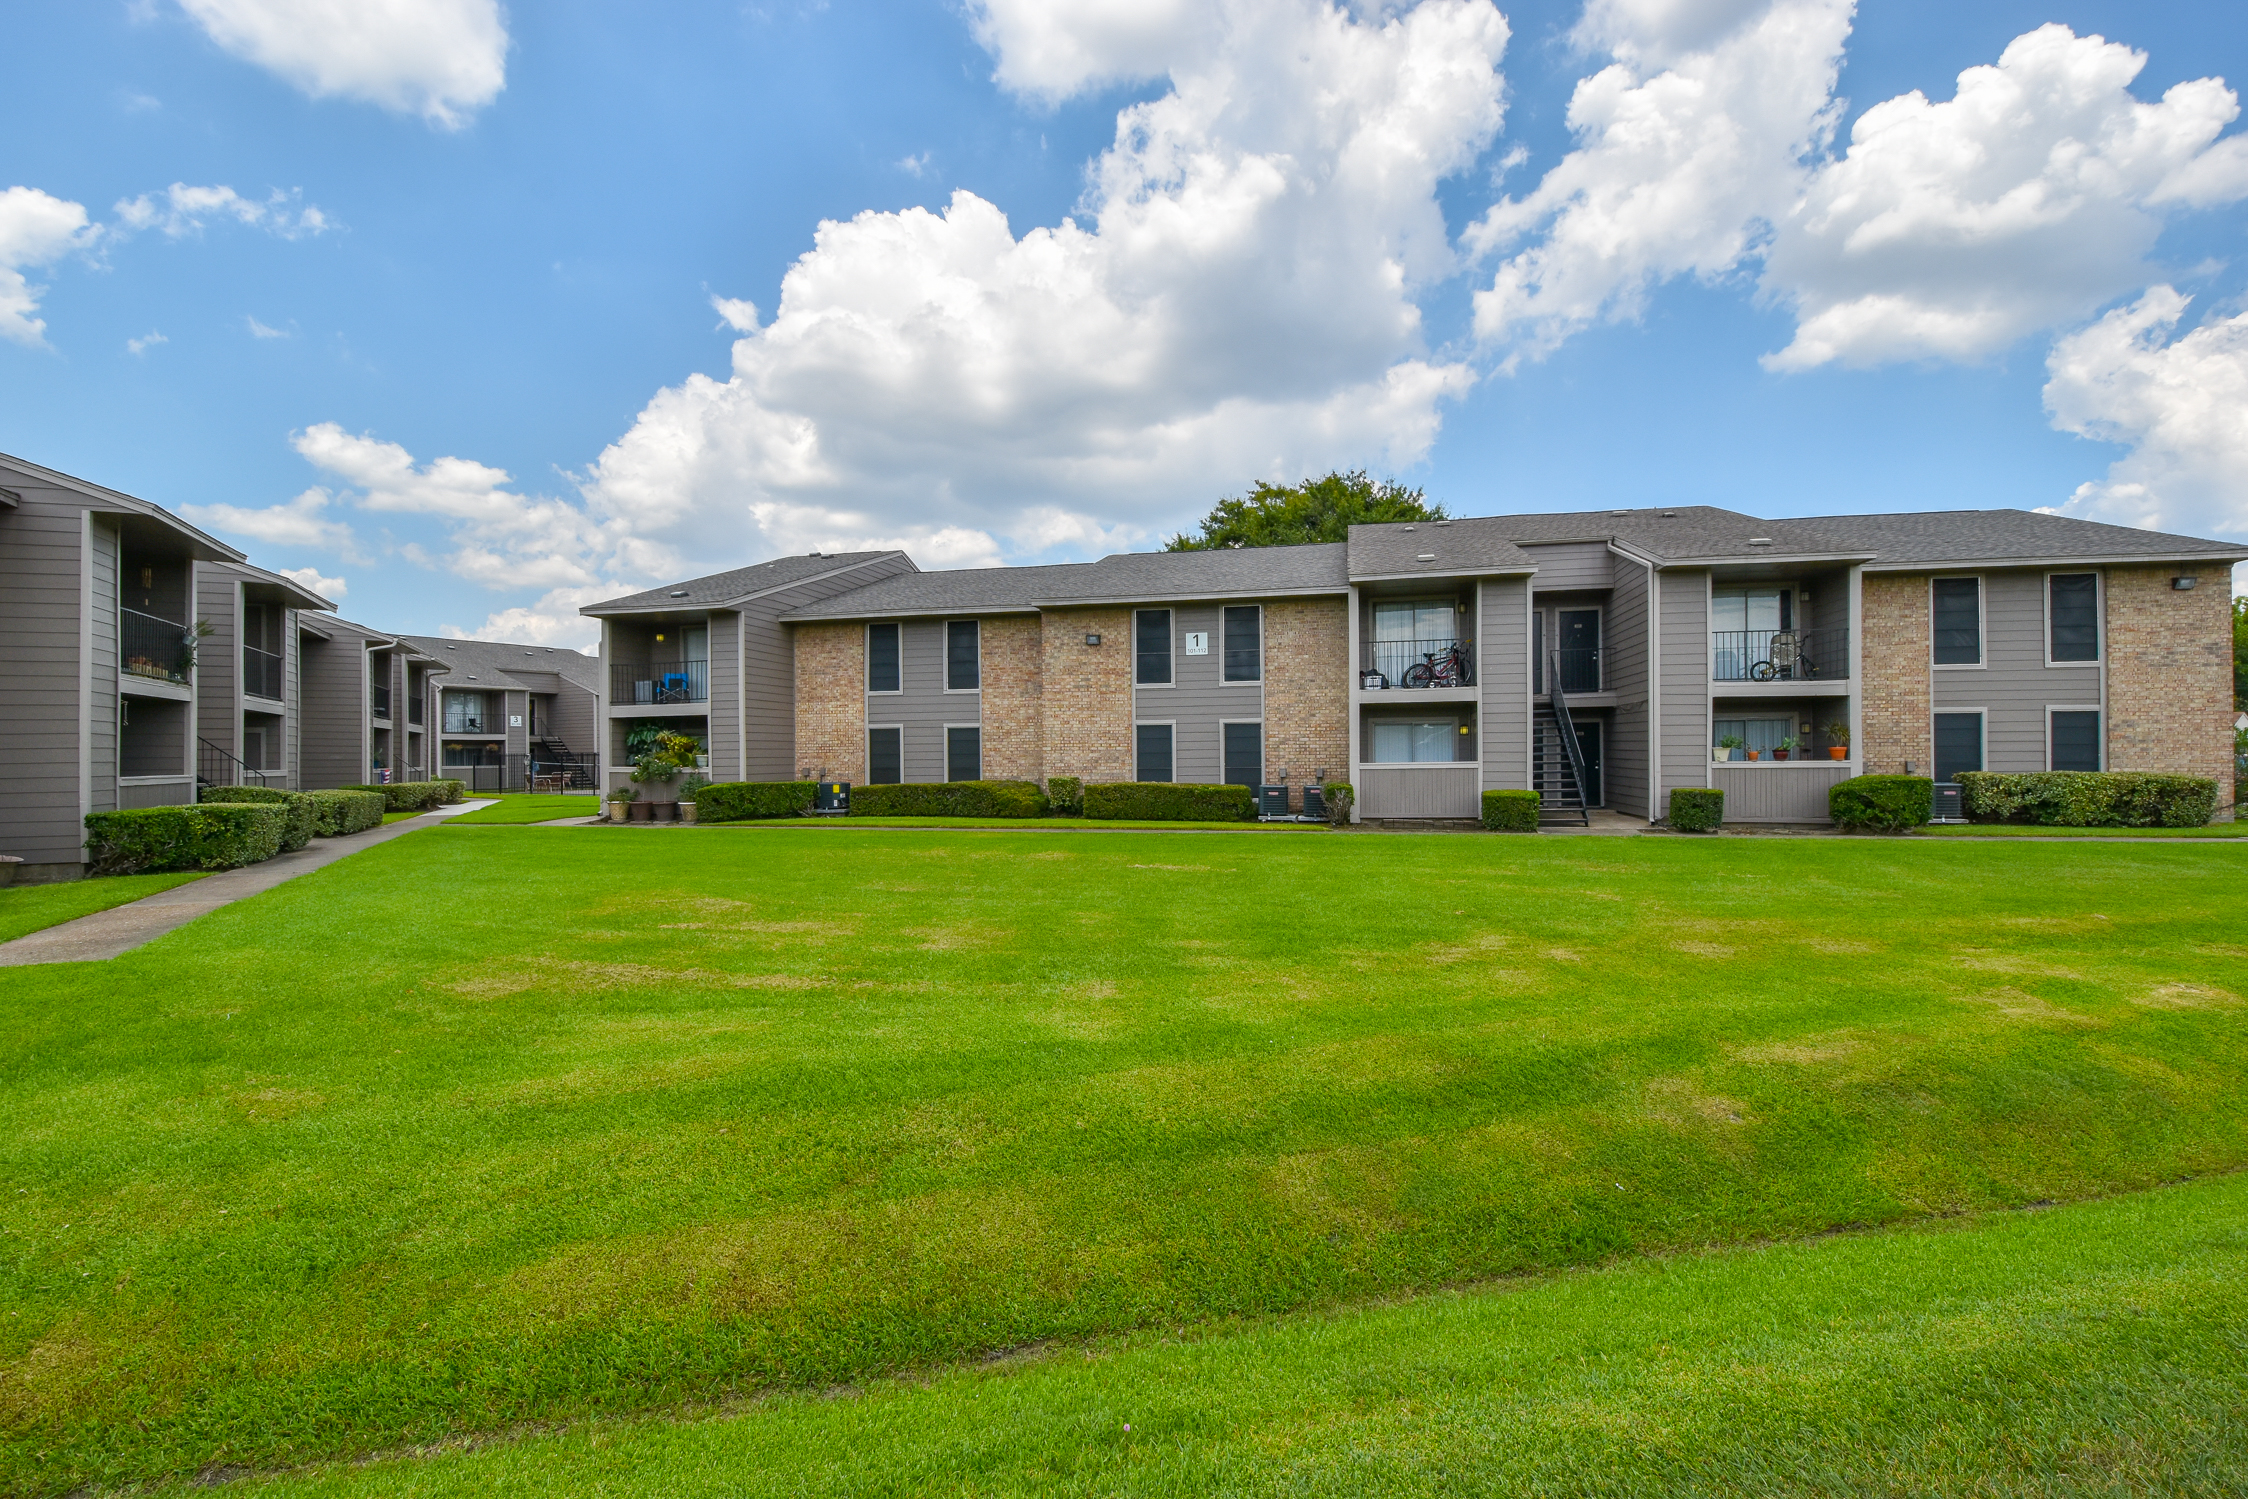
(501, 715)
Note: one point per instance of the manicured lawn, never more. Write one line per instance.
(1022, 822)
(466, 1131)
(517, 807)
(2007, 830)
(2097, 1348)
(28, 908)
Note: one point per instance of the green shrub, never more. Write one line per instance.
(950, 799)
(1510, 811)
(338, 813)
(1339, 795)
(1697, 809)
(296, 829)
(1066, 795)
(216, 835)
(414, 796)
(743, 801)
(1169, 801)
(2088, 798)
(1881, 804)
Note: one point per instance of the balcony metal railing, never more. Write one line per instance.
(261, 673)
(457, 722)
(381, 700)
(1779, 655)
(1576, 670)
(1417, 663)
(659, 682)
(163, 650)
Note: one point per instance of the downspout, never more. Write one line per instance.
(1655, 696)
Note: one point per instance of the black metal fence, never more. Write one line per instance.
(525, 773)
(162, 650)
(1418, 663)
(659, 682)
(1779, 655)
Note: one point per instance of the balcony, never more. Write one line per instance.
(460, 722)
(656, 682)
(1416, 664)
(414, 711)
(261, 673)
(380, 700)
(162, 650)
(1577, 670)
(1779, 655)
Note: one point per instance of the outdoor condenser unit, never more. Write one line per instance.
(1946, 808)
(831, 798)
(1315, 804)
(1272, 801)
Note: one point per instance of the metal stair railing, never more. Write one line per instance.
(212, 763)
(1569, 744)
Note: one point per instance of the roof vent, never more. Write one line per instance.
(1408, 528)
(680, 593)
(811, 554)
(1670, 515)
(1760, 541)
(1444, 522)
(1426, 557)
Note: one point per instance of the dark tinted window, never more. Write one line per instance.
(1153, 743)
(882, 658)
(961, 668)
(885, 757)
(2076, 616)
(1959, 743)
(1244, 754)
(2076, 741)
(1151, 647)
(1244, 647)
(1958, 622)
(963, 754)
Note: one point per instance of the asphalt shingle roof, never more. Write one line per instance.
(1404, 548)
(1250, 572)
(491, 663)
(723, 588)
(1938, 537)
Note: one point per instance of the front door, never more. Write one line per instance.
(1588, 746)
(1580, 649)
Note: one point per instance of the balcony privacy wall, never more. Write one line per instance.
(1682, 603)
(1624, 658)
(1503, 661)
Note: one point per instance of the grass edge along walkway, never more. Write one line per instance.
(25, 909)
(2099, 1345)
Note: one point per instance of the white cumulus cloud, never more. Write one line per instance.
(1234, 300)
(440, 59)
(182, 210)
(305, 521)
(146, 341)
(36, 229)
(330, 589)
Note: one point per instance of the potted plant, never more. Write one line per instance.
(1752, 754)
(1727, 745)
(1840, 734)
(621, 799)
(687, 789)
(1781, 750)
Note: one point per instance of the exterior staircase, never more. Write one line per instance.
(551, 755)
(1557, 768)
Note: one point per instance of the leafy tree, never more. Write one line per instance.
(1274, 515)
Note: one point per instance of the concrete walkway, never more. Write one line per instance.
(120, 929)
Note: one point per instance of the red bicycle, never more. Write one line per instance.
(1445, 668)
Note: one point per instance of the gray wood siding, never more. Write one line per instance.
(2014, 684)
(768, 670)
(218, 661)
(1624, 664)
(1572, 564)
(333, 723)
(727, 686)
(515, 721)
(577, 719)
(1683, 621)
(922, 707)
(43, 580)
(1198, 699)
(292, 693)
(102, 734)
(1502, 666)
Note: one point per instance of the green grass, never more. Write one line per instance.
(29, 908)
(518, 807)
(608, 1129)
(1047, 823)
(2098, 1348)
(2013, 830)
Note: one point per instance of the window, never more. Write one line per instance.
(1244, 754)
(1762, 735)
(1151, 751)
(1406, 631)
(1959, 744)
(1401, 741)
(2073, 616)
(1244, 643)
(2075, 739)
(1957, 604)
(963, 754)
(1151, 648)
(464, 712)
(1742, 622)
(963, 662)
(882, 658)
(885, 756)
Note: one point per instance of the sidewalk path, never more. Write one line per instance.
(120, 929)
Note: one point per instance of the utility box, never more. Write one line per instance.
(1315, 804)
(1947, 808)
(831, 799)
(1272, 801)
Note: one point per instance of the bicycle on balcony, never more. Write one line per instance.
(1787, 660)
(1445, 668)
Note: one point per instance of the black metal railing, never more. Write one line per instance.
(1779, 655)
(1575, 670)
(216, 766)
(1418, 663)
(261, 673)
(381, 700)
(524, 773)
(659, 682)
(459, 721)
(162, 650)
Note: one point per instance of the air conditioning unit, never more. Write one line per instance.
(1947, 807)
(1272, 802)
(1315, 804)
(831, 799)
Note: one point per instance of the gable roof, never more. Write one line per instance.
(1121, 578)
(493, 664)
(1962, 538)
(716, 590)
(204, 547)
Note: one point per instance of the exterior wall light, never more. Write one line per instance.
(2183, 584)
(1092, 640)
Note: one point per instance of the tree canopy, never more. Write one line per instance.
(1274, 515)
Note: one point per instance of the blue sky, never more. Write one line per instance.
(490, 318)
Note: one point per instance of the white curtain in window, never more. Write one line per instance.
(1401, 743)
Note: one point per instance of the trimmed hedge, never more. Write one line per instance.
(296, 829)
(1511, 811)
(415, 796)
(2088, 799)
(214, 835)
(1339, 796)
(1169, 801)
(743, 801)
(1881, 804)
(1066, 795)
(336, 814)
(1698, 809)
(950, 799)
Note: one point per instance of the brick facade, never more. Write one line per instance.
(2170, 673)
(1088, 694)
(1897, 726)
(1014, 747)
(1307, 688)
(831, 701)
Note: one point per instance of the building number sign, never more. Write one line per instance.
(1197, 643)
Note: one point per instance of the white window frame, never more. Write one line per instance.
(1982, 625)
(1259, 679)
(946, 746)
(2099, 619)
(944, 648)
(871, 730)
(2053, 708)
(1173, 725)
(1264, 747)
(1453, 721)
(1982, 735)
(899, 690)
(1171, 644)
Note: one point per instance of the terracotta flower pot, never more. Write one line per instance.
(1779, 754)
(1752, 754)
(1838, 752)
(643, 812)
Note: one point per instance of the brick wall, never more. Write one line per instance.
(1897, 724)
(1088, 693)
(2170, 673)
(831, 700)
(1307, 688)
(1014, 741)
